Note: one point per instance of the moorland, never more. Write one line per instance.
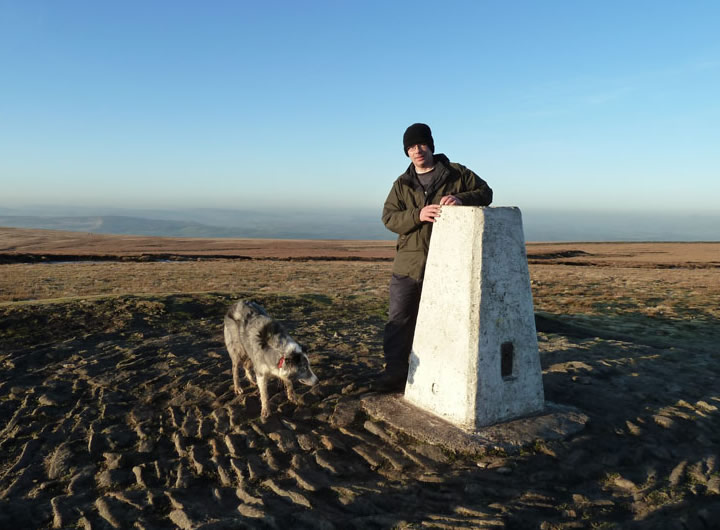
(118, 410)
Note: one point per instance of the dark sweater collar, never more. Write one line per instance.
(410, 175)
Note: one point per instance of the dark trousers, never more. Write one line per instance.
(402, 316)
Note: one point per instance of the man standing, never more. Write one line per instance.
(414, 202)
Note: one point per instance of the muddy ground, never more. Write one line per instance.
(118, 410)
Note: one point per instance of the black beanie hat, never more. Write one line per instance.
(418, 133)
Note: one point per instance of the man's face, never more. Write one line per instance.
(421, 155)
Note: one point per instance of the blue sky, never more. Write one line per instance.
(607, 106)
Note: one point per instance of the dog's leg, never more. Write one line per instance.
(248, 366)
(236, 377)
(289, 391)
(262, 386)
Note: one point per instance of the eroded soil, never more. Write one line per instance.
(118, 411)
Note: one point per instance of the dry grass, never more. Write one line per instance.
(671, 293)
(62, 280)
(627, 295)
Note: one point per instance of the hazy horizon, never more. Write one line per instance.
(358, 223)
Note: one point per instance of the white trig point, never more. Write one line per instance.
(475, 359)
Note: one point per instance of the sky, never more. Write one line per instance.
(558, 105)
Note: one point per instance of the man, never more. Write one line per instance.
(412, 206)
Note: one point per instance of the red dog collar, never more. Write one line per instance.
(281, 361)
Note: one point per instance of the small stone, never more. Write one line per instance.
(174, 502)
(307, 442)
(113, 460)
(705, 406)
(82, 480)
(256, 468)
(96, 443)
(632, 428)
(142, 430)
(175, 416)
(138, 471)
(238, 467)
(181, 519)
(624, 484)
(579, 499)
(199, 458)
(223, 472)
(289, 424)
(345, 413)
(294, 496)
(377, 430)
(222, 421)
(248, 510)
(677, 473)
(182, 479)
(253, 441)
(432, 452)
(308, 480)
(180, 444)
(663, 421)
(189, 426)
(370, 455)
(114, 478)
(146, 445)
(331, 443)
(105, 512)
(713, 485)
(205, 428)
(323, 459)
(236, 415)
(432, 478)
(137, 499)
(285, 441)
(61, 514)
(397, 461)
(48, 400)
(271, 460)
(246, 498)
(235, 444)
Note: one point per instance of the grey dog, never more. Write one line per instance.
(262, 345)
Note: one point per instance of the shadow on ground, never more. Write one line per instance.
(120, 411)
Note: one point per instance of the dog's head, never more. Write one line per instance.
(296, 366)
(293, 364)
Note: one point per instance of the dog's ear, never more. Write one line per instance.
(295, 358)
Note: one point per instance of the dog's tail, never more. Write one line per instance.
(242, 310)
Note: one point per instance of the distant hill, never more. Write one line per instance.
(254, 226)
(113, 224)
(351, 224)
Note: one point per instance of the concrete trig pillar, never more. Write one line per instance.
(475, 359)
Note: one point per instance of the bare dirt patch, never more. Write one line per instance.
(24, 244)
(118, 408)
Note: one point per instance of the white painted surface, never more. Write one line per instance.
(476, 297)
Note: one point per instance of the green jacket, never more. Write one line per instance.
(401, 212)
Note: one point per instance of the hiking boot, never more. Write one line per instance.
(389, 382)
